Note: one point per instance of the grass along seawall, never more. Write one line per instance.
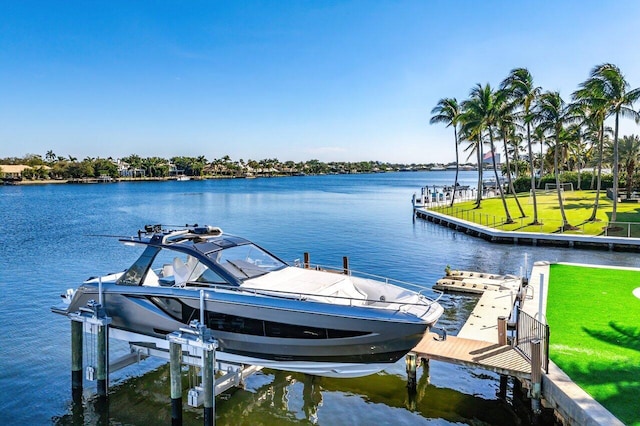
(489, 221)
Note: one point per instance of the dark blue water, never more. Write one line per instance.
(47, 246)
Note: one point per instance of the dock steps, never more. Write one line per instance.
(474, 353)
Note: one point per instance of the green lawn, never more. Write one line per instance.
(595, 334)
(578, 207)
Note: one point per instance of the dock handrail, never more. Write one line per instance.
(528, 329)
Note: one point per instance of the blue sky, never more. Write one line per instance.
(293, 80)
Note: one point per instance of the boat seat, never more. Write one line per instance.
(151, 280)
(180, 272)
(184, 272)
(167, 270)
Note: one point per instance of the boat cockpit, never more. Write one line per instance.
(197, 256)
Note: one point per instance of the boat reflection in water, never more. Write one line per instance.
(274, 397)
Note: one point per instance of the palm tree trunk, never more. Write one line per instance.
(631, 165)
(498, 184)
(579, 175)
(455, 181)
(565, 223)
(599, 179)
(510, 182)
(533, 176)
(480, 166)
(615, 172)
(541, 164)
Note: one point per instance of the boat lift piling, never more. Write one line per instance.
(175, 365)
(102, 375)
(192, 345)
(76, 360)
(91, 316)
(198, 337)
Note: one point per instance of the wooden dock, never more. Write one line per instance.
(476, 346)
(477, 282)
(478, 343)
(474, 353)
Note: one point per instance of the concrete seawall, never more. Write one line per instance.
(529, 238)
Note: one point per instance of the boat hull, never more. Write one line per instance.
(294, 335)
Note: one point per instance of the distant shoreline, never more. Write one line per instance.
(89, 181)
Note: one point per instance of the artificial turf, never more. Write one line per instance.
(594, 321)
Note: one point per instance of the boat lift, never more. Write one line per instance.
(193, 345)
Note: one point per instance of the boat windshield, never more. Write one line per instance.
(246, 261)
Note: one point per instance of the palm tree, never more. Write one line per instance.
(50, 156)
(608, 87)
(590, 99)
(448, 111)
(471, 130)
(483, 105)
(629, 152)
(506, 123)
(520, 86)
(552, 113)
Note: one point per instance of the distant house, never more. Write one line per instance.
(15, 171)
(125, 170)
(174, 171)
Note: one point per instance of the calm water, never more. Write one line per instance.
(48, 246)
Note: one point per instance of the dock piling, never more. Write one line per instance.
(502, 392)
(426, 369)
(502, 331)
(411, 360)
(76, 360)
(345, 265)
(536, 375)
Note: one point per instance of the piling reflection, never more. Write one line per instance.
(277, 398)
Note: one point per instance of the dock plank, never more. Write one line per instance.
(482, 323)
